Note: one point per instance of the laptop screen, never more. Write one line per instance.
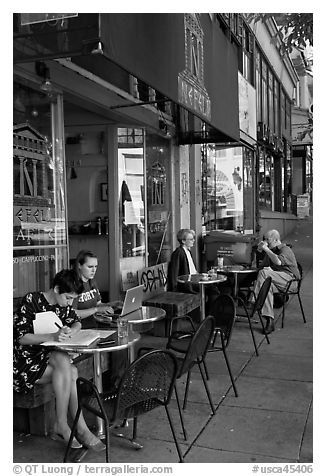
(133, 300)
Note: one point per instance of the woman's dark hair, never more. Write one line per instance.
(81, 258)
(67, 281)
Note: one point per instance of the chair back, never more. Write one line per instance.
(301, 275)
(198, 345)
(224, 313)
(146, 384)
(262, 295)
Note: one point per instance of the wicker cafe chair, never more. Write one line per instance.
(293, 288)
(148, 383)
(224, 314)
(250, 311)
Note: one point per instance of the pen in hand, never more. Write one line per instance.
(60, 327)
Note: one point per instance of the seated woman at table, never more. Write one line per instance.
(89, 300)
(181, 263)
(37, 365)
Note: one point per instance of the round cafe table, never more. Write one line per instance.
(202, 280)
(136, 319)
(114, 344)
(234, 270)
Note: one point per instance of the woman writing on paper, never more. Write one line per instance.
(88, 301)
(35, 365)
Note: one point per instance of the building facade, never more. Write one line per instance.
(128, 127)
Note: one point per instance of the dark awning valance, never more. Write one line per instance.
(186, 57)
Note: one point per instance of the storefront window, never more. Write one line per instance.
(271, 113)
(288, 179)
(276, 107)
(258, 87)
(145, 206)
(159, 218)
(39, 222)
(223, 190)
(264, 93)
(248, 190)
(131, 203)
(265, 179)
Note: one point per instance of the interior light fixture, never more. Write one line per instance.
(43, 71)
(98, 50)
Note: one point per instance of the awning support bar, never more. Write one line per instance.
(158, 101)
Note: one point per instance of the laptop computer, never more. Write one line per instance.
(133, 300)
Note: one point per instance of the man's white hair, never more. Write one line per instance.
(274, 234)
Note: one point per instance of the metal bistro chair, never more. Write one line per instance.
(195, 354)
(147, 383)
(193, 348)
(257, 308)
(224, 314)
(293, 288)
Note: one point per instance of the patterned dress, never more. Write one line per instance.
(30, 361)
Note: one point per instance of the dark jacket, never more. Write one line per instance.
(178, 266)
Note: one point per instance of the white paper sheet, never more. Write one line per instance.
(45, 322)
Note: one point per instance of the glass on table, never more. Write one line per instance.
(213, 272)
(123, 328)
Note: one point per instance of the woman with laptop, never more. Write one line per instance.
(88, 302)
(37, 365)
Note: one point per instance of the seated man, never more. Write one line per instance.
(280, 264)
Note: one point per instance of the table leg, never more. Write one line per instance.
(125, 423)
(202, 301)
(235, 285)
(131, 353)
(98, 382)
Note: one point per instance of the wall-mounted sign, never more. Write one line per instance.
(191, 89)
(247, 108)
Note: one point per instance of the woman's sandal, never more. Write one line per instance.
(74, 444)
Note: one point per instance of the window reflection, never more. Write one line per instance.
(158, 199)
(222, 171)
(39, 228)
(131, 204)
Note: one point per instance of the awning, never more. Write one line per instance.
(187, 58)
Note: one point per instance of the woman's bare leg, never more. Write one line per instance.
(84, 433)
(63, 376)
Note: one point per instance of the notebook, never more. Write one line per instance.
(45, 322)
(83, 338)
(133, 300)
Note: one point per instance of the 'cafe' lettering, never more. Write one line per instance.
(193, 98)
(31, 214)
